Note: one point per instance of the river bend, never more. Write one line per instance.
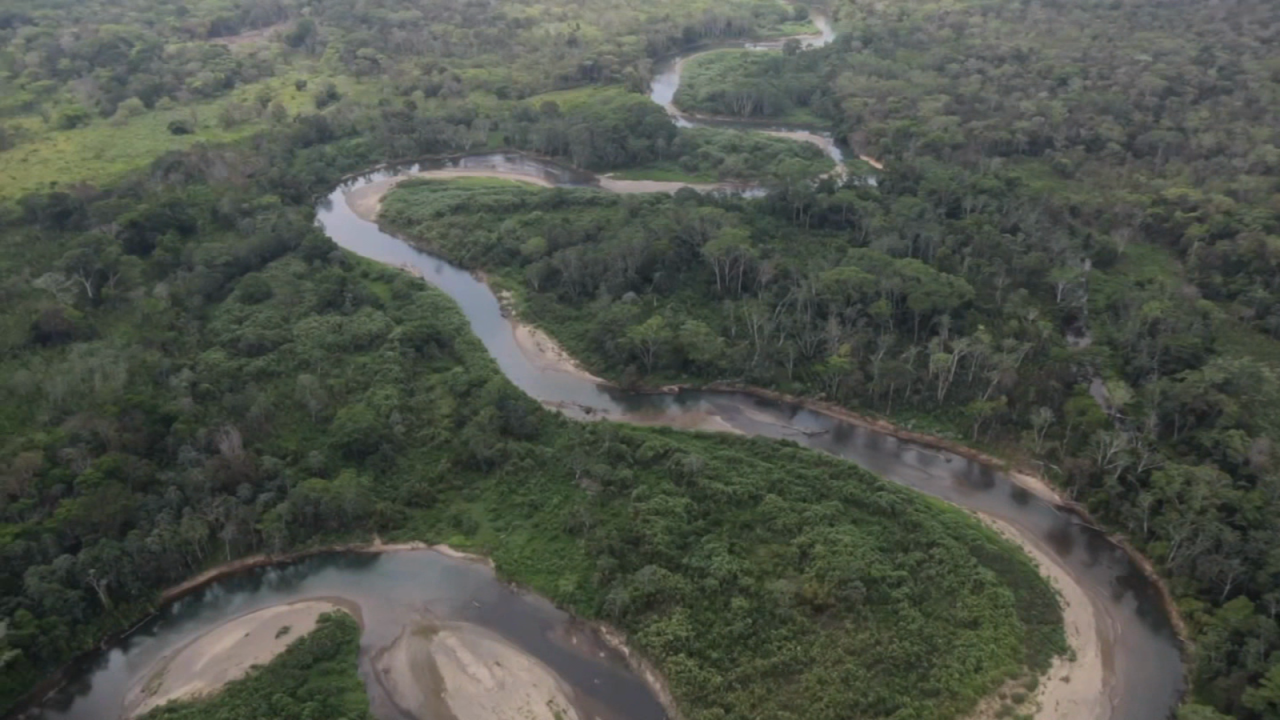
(1141, 668)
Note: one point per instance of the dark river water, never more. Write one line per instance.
(1140, 651)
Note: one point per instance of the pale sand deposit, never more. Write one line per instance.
(366, 201)
(461, 672)
(626, 187)
(224, 654)
(1072, 690)
(545, 353)
(1075, 688)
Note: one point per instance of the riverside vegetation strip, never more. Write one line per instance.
(1077, 688)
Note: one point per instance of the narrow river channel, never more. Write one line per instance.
(1140, 675)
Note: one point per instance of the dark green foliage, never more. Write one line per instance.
(963, 298)
(327, 95)
(251, 389)
(597, 130)
(710, 155)
(747, 84)
(314, 678)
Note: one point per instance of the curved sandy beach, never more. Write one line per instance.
(456, 671)
(224, 654)
(1075, 688)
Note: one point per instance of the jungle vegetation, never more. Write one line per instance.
(91, 90)
(315, 677)
(193, 372)
(1071, 258)
(782, 87)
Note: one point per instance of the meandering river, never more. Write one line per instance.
(1138, 663)
(1139, 673)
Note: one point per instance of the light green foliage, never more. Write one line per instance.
(940, 293)
(73, 74)
(1096, 170)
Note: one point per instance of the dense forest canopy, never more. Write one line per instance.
(1072, 257)
(194, 372)
(169, 75)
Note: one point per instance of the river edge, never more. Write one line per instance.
(1058, 575)
(615, 638)
(225, 653)
(540, 347)
(611, 636)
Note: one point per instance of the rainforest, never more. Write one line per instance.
(627, 289)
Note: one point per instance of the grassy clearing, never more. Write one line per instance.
(102, 151)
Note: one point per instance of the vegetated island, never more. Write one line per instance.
(310, 673)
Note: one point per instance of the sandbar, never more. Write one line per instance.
(224, 654)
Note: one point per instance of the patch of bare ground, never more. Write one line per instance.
(225, 653)
(462, 672)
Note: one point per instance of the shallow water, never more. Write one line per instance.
(392, 591)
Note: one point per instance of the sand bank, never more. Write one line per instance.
(462, 672)
(366, 201)
(627, 187)
(545, 353)
(1078, 688)
(1075, 688)
(224, 654)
